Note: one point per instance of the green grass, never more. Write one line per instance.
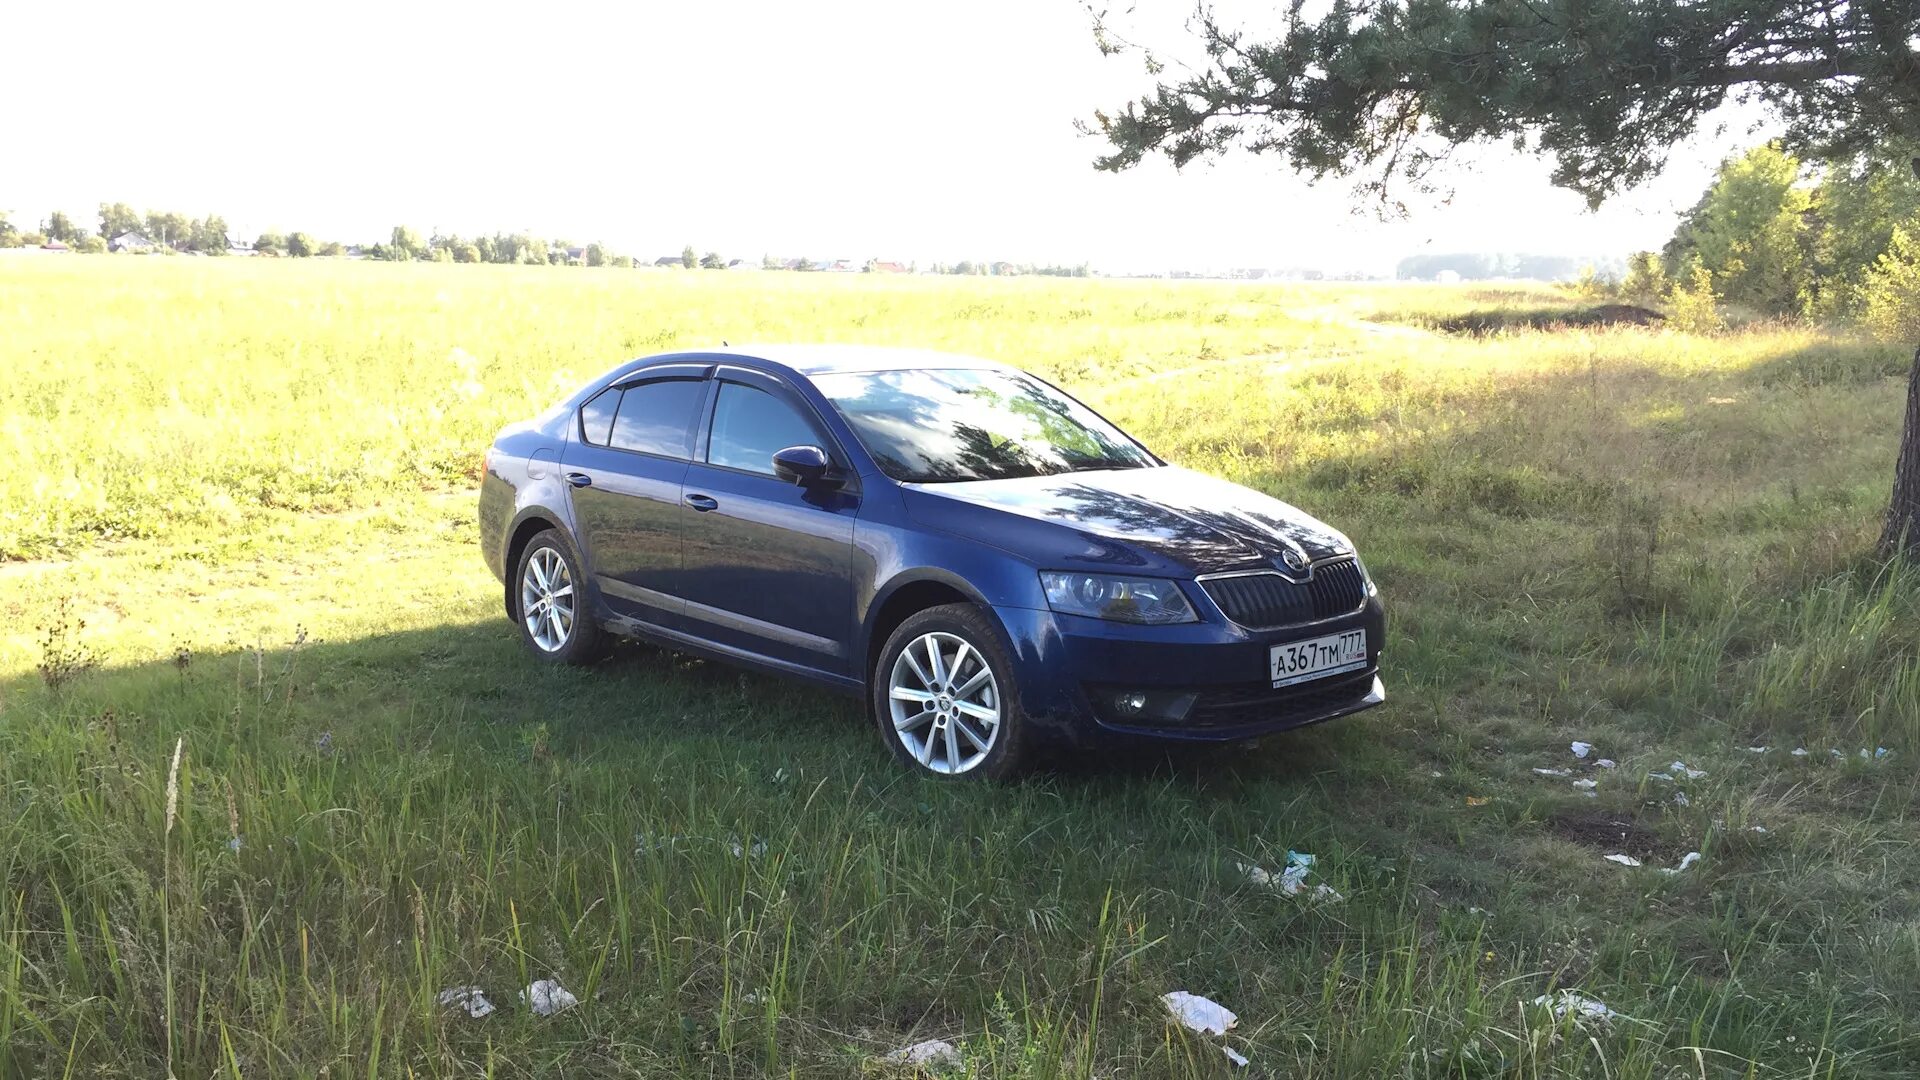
(239, 519)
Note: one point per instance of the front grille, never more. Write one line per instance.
(1254, 703)
(1263, 601)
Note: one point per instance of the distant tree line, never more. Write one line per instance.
(122, 228)
(1481, 266)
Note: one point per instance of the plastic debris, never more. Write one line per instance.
(1581, 749)
(1761, 829)
(1663, 777)
(1686, 862)
(1680, 799)
(1553, 772)
(1199, 1014)
(1586, 785)
(1478, 800)
(1576, 1004)
(1327, 894)
(936, 1052)
(1239, 1059)
(1679, 768)
(1758, 749)
(233, 845)
(1837, 755)
(1623, 860)
(756, 849)
(468, 999)
(548, 997)
(1607, 763)
(1878, 753)
(1799, 751)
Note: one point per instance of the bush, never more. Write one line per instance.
(1694, 307)
(1890, 293)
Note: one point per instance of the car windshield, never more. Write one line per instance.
(931, 426)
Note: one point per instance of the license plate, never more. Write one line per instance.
(1317, 658)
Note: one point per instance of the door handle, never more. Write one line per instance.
(702, 503)
(579, 479)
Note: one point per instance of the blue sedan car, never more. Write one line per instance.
(985, 560)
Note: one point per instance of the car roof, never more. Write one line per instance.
(811, 360)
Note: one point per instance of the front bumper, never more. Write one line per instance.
(1070, 665)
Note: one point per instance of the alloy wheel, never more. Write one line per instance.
(945, 703)
(546, 600)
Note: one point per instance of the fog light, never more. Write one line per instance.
(1131, 702)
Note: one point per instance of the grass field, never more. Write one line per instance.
(237, 519)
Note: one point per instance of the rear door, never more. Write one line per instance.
(625, 467)
(768, 562)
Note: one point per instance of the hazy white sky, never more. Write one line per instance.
(837, 128)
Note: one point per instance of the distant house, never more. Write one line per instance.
(742, 264)
(668, 260)
(54, 245)
(889, 267)
(838, 266)
(240, 247)
(131, 242)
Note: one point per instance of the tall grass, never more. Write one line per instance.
(240, 528)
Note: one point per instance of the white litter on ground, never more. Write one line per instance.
(1687, 861)
(937, 1052)
(1586, 785)
(1799, 751)
(1581, 750)
(467, 998)
(1553, 772)
(1235, 1056)
(1761, 829)
(1660, 776)
(1623, 860)
(548, 997)
(1576, 1004)
(1680, 768)
(1758, 749)
(1680, 799)
(1199, 1014)
(1607, 763)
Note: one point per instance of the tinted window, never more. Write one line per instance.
(596, 416)
(966, 424)
(749, 425)
(657, 417)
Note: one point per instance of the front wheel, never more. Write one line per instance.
(944, 696)
(555, 620)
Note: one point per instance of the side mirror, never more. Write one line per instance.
(803, 465)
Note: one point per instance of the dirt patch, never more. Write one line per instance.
(1481, 323)
(1608, 834)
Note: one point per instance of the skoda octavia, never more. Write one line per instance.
(983, 559)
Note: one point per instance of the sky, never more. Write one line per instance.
(835, 128)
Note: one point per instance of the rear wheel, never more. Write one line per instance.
(944, 696)
(555, 619)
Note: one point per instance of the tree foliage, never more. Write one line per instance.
(117, 218)
(1385, 88)
(1750, 231)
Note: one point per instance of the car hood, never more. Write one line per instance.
(1158, 520)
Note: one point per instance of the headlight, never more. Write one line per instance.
(1135, 600)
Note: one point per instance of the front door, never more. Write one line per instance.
(626, 466)
(768, 562)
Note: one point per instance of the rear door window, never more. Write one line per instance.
(658, 417)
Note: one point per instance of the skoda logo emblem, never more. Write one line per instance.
(1294, 559)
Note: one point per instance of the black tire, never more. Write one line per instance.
(1008, 752)
(583, 641)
